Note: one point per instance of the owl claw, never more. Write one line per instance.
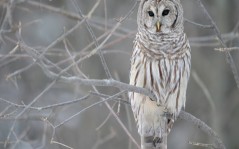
(167, 114)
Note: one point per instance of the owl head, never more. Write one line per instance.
(160, 16)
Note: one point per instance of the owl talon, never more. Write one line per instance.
(156, 141)
(168, 115)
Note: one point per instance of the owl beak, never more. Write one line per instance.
(158, 26)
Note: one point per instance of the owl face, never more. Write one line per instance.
(160, 16)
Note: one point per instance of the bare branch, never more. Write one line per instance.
(26, 108)
(227, 49)
(204, 127)
(227, 53)
(103, 82)
(202, 145)
(48, 106)
(199, 25)
(97, 103)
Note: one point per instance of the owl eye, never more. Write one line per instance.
(165, 12)
(151, 14)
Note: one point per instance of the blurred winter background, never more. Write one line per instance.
(53, 33)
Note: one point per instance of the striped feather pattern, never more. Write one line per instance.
(164, 68)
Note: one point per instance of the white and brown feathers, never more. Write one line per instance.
(160, 62)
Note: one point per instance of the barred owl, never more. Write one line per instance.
(160, 62)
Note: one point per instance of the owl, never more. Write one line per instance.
(160, 62)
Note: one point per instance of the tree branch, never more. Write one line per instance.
(204, 127)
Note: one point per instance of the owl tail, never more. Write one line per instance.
(154, 142)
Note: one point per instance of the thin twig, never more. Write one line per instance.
(97, 103)
(48, 106)
(101, 141)
(106, 119)
(26, 108)
(205, 90)
(227, 53)
(197, 24)
(202, 145)
(41, 55)
(107, 71)
(204, 127)
(61, 144)
(93, 9)
(227, 49)
(54, 9)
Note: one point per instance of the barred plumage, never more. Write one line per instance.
(160, 62)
